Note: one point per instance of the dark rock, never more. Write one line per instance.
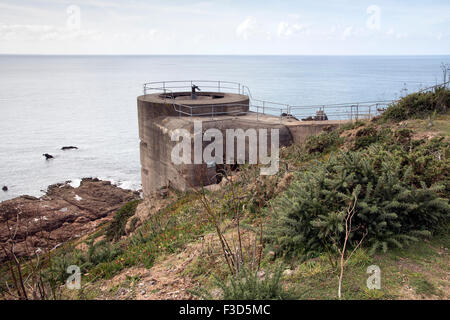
(69, 148)
(47, 156)
(5, 188)
(288, 115)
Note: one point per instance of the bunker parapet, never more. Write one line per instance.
(161, 113)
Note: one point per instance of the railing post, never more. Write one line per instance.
(263, 107)
(351, 113)
(357, 111)
(218, 85)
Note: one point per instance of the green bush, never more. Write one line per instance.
(365, 137)
(248, 286)
(117, 227)
(101, 252)
(309, 217)
(419, 105)
(429, 162)
(324, 142)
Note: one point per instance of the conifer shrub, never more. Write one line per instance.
(247, 285)
(365, 137)
(429, 162)
(392, 209)
(324, 142)
(117, 227)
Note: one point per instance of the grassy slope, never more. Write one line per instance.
(177, 251)
(417, 272)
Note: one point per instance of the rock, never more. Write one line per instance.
(47, 156)
(288, 272)
(122, 292)
(261, 274)
(289, 116)
(69, 148)
(5, 188)
(163, 193)
(42, 222)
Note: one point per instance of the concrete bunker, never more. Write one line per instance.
(162, 110)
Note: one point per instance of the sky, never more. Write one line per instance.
(267, 27)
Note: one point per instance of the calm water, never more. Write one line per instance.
(47, 102)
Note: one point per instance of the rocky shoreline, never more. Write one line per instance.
(64, 213)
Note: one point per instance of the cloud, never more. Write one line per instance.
(287, 30)
(247, 28)
(26, 32)
(394, 34)
(344, 32)
(348, 32)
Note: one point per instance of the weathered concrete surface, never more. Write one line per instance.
(158, 119)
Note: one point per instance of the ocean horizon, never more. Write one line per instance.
(89, 101)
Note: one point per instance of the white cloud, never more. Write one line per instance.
(394, 34)
(344, 32)
(44, 32)
(247, 28)
(348, 32)
(287, 30)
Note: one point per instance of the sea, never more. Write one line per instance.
(47, 102)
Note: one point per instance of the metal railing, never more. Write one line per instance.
(211, 110)
(339, 111)
(170, 88)
(186, 85)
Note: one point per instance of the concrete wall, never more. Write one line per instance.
(158, 119)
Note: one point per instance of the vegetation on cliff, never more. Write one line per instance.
(362, 195)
